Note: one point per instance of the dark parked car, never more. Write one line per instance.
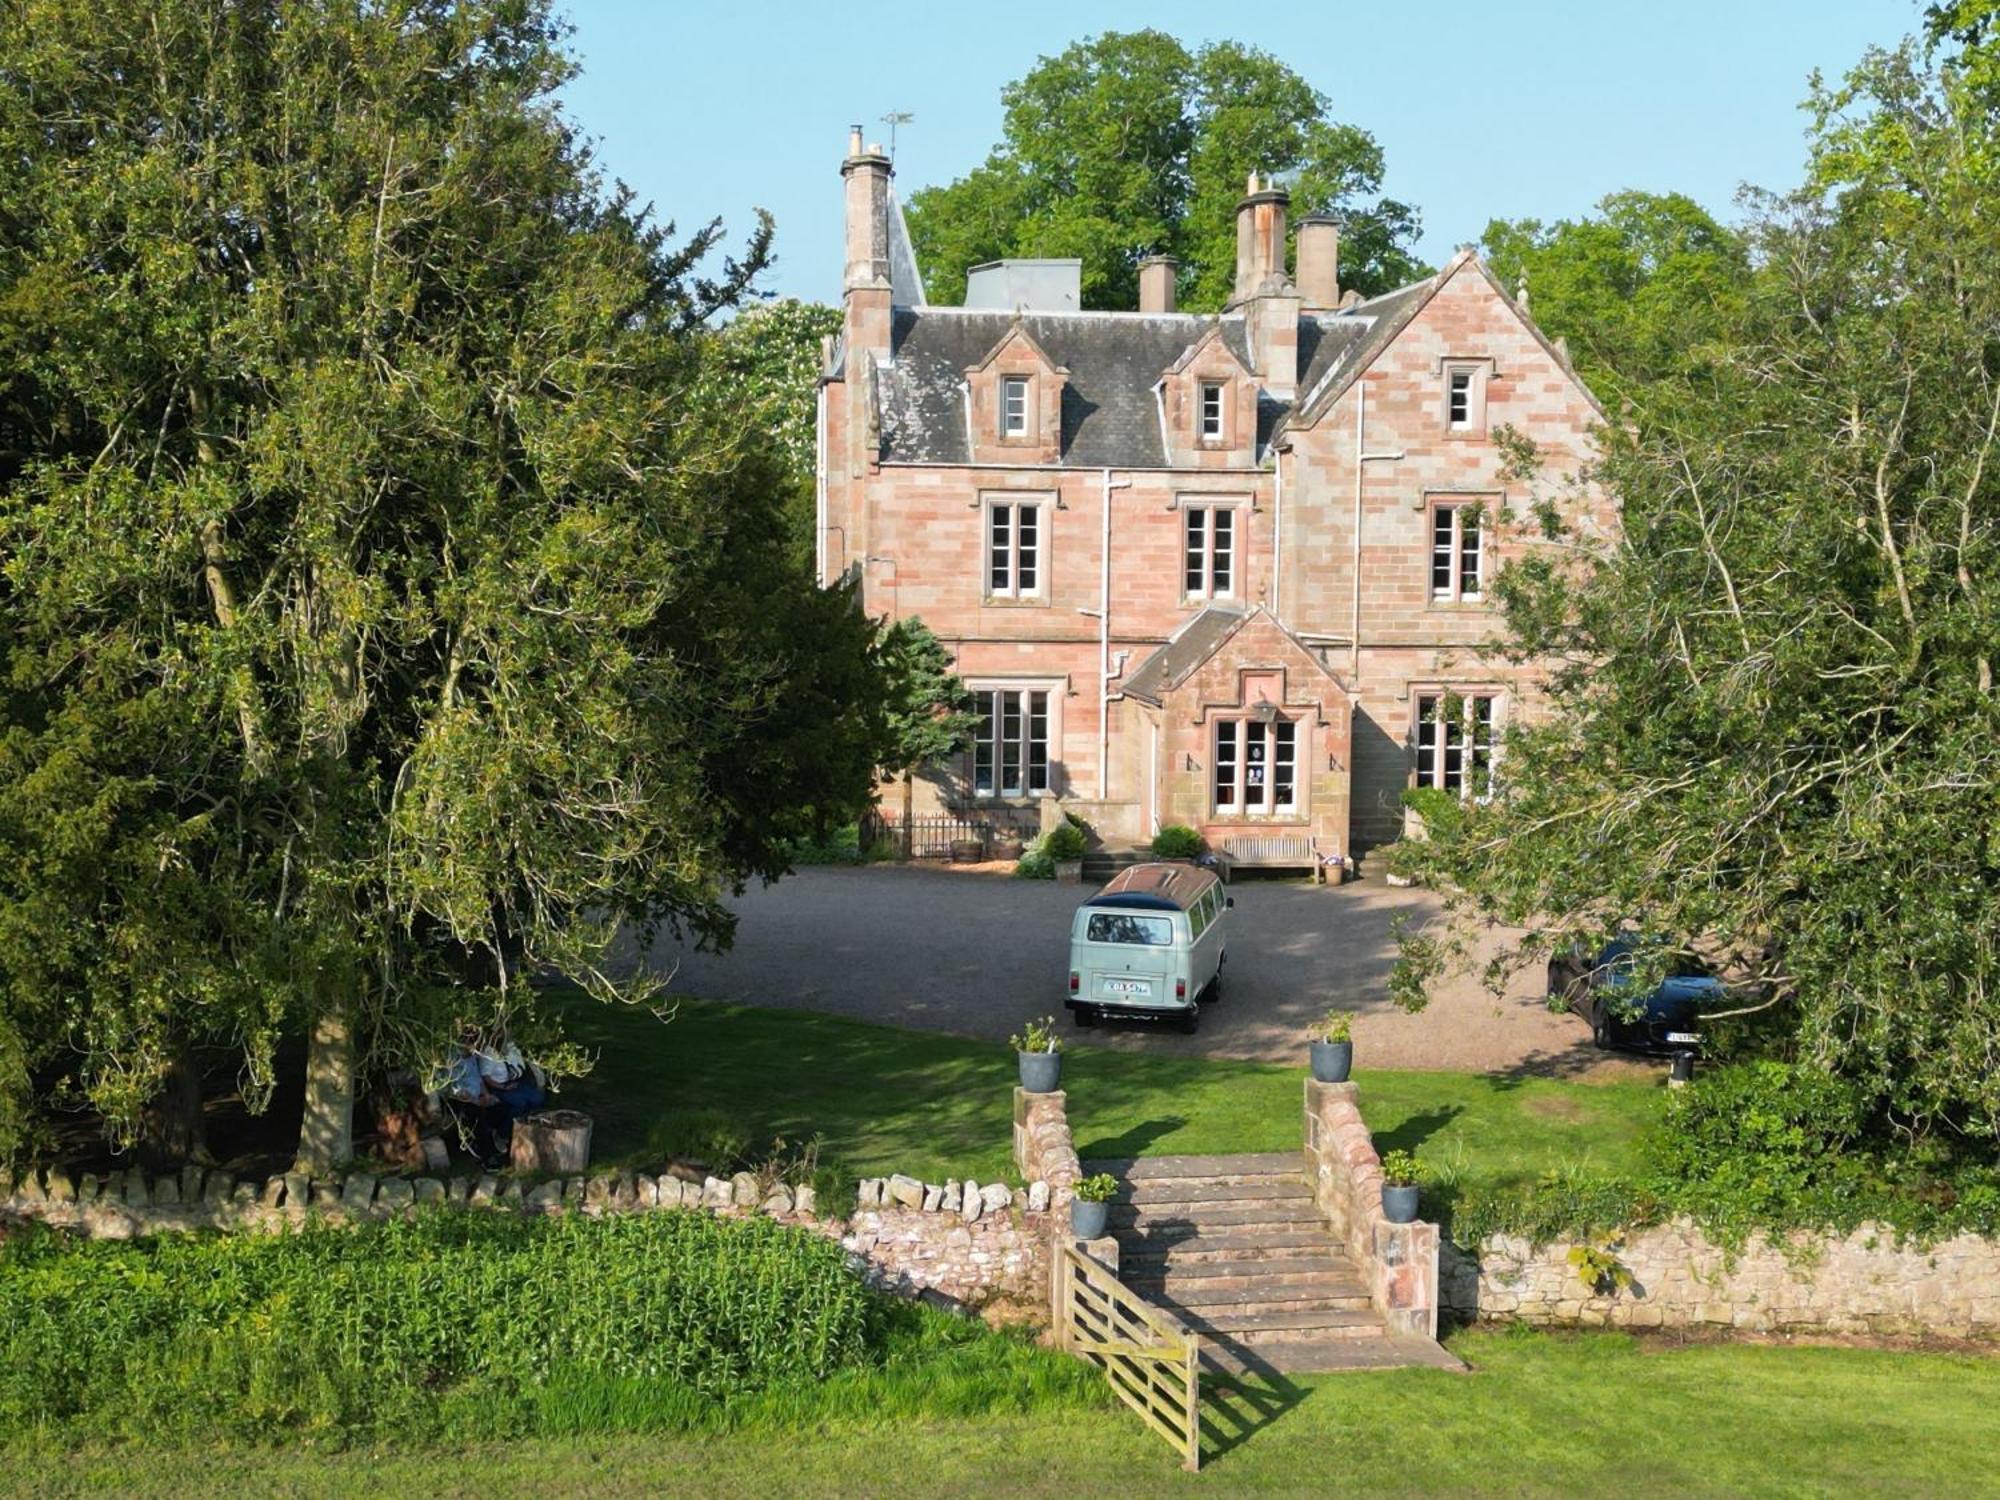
(1660, 1021)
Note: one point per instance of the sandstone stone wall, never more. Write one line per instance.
(1400, 1261)
(1862, 1283)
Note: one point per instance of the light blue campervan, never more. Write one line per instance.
(1150, 944)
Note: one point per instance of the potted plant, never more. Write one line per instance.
(1177, 841)
(1065, 844)
(1038, 1051)
(1333, 1047)
(1401, 1173)
(1091, 1206)
(1007, 846)
(968, 851)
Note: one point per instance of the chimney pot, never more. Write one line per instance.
(1260, 239)
(1319, 263)
(1157, 275)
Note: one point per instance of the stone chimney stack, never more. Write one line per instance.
(865, 285)
(1260, 240)
(1319, 263)
(1157, 274)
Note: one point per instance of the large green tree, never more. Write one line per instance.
(1128, 144)
(393, 597)
(1644, 288)
(1775, 734)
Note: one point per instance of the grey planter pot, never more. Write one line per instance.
(1040, 1071)
(1332, 1061)
(1399, 1204)
(1069, 871)
(1087, 1220)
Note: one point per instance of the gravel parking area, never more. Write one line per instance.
(977, 953)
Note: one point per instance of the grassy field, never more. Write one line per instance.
(886, 1099)
(1540, 1415)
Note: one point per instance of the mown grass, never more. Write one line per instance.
(885, 1099)
(1540, 1415)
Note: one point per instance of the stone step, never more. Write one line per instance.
(1311, 1355)
(1218, 1168)
(1249, 1271)
(1283, 1326)
(1323, 1294)
(1192, 1190)
(1197, 1247)
(1217, 1218)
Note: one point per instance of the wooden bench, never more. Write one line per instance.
(1281, 851)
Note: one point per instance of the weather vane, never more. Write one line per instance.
(892, 119)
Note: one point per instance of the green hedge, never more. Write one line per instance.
(1767, 1147)
(338, 1328)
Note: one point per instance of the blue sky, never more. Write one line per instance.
(1483, 110)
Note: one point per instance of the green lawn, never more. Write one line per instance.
(1540, 1415)
(886, 1099)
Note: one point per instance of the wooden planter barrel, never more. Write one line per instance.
(556, 1140)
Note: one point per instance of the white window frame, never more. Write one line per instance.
(1204, 515)
(991, 742)
(1448, 517)
(1001, 576)
(1436, 740)
(1474, 373)
(1220, 391)
(1014, 396)
(1231, 738)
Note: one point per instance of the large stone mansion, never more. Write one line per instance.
(1226, 570)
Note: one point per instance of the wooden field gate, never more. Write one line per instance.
(1151, 1359)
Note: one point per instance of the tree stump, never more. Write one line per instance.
(557, 1140)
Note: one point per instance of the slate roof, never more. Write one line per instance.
(1187, 649)
(1110, 415)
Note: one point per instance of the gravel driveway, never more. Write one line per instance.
(976, 954)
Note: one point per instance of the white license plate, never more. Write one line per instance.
(1683, 1036)
(1128, 987)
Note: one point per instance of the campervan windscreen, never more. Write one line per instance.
(1124, 927)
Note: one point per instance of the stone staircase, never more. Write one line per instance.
(1101, 864)
(1236, 1248)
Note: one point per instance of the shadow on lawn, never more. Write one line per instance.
(1237, 1405)
(1132, 1142)
(1410, 1134)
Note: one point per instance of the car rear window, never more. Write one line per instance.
(1123, 927)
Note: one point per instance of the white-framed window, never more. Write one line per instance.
(1456, 743)
(1465, 395)
(1211, 411)
(1013, 406)
(1010, 747)
(1458, 562)
(1256, 767)
(1014, 549)
(1209, 551)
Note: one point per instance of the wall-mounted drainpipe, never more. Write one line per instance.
(819, 490)
(1277, 534)
(1104, 640)
(1361, 456)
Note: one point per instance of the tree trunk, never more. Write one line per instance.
(326, 1134)
(174, 1130)
(909, 814)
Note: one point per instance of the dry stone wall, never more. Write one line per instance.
(964, 1242)
(1861, 1283)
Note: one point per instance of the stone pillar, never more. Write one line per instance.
(1398, 1261)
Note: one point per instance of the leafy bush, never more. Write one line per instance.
(1402, 1169)
(1064, 841)
(841, 847)
(1764, 1147)
(1035, 865)
(1177, 841)
(370, 1326)
(1100, 1188)
(1439, 809)
(1334, 1026)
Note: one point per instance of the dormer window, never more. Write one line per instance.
(1211, 411)
(1014, 406)
(1465, 396)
